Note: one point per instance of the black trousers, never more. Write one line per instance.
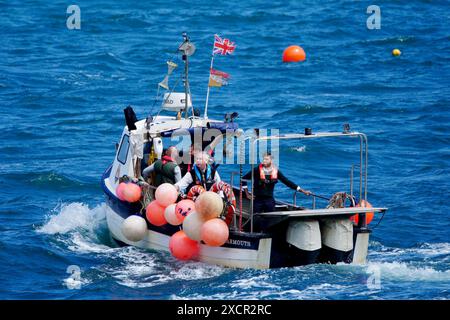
(263, 205)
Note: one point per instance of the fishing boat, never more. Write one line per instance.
(291, 235)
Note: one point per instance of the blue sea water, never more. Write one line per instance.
(62, 93)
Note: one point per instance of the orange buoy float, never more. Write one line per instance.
(119, 191)
(294, 54)
(131, 192)
(155, 214)
(184, 208)
(182, 247)
(369, 215)
(166, 194)
(215, 232)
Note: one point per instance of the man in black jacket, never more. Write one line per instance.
(266, 175)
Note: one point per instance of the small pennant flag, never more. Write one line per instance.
(223, 46)
(218, 78)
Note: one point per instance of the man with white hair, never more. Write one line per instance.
(202, 174)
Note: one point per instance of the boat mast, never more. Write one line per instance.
(187, 48)
(186, 80)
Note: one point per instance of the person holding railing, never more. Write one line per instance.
(266, 175)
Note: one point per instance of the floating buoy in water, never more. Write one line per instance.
(396, 52)
(369, 215)
(294, 54)
(166, 194)
(131, 192)
(182, 247)
(192, 226)
(155, 214)
(209, 205)
(119, 191)
(134, 228)
(184, 208)
(171, 216)
(215, 232)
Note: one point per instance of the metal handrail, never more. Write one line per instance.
(363, 141)
(232, 185)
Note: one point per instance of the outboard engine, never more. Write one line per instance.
(305, 240)
(337, 241)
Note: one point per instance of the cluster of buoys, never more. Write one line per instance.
(129, 191)
(297, 54)
(199, 220)
(369, 215)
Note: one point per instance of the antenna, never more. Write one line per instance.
(187, 47)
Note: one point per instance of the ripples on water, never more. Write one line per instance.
(61, 98)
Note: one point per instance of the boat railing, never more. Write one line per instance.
(233, 173)
(352, 171)
(294, 200)
(363, 154)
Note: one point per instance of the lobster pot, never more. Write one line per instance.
(305, 240)
(337, 240)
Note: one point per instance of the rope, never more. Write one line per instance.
(338, 200)
(379, 221)
(147, 194)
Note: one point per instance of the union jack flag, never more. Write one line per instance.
(223, 46)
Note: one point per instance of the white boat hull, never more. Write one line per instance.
(225, 256)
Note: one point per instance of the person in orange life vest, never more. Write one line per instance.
(202, 173)
(266, 175)
(166, 169)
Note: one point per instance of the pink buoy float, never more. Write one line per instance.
(166, 194)
(215, 232)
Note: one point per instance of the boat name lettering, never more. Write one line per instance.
(240, 242)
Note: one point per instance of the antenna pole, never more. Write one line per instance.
(207, 92)
(186, 73)
(186, 85)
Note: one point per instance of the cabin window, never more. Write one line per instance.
(123, 150)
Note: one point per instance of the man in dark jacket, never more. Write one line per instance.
(265, 176)
(166, 169)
